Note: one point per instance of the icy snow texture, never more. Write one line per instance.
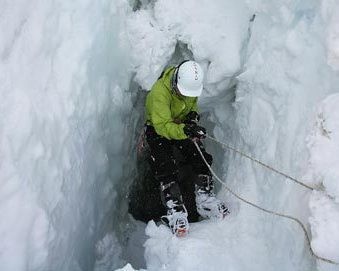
(324, 147)
(149, 42)
(61, 93)
(65, 118)
(330, 11)
(128, 267)
(209, 246)
(285, 77)
(324, 169)
(284, 73)
(108, 253)
(325, 224)
(215, 37)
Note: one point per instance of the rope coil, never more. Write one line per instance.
(257, 206)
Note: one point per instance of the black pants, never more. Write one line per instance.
(163, 163)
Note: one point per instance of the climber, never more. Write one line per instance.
(172, 121)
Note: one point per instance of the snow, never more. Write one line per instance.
(58, 80)
(128, 267)
(69, 75)
(324, 147)
(151, 42)
(108, 252)
(324, 223)
(330, 12)
(323, 170)
(210, 245)
(214, 37)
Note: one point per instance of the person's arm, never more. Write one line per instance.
(161, 117)
(193, 116)
(195, 106)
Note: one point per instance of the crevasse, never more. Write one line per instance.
(73, 77)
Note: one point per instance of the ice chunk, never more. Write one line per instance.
(151, 46)
(324, 147)
(128, 267)
(214, 32)
(325, 224)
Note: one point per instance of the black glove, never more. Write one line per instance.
(195, 131)
(192, 118)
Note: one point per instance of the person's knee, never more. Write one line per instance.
(170, 191)
(199, 165)
(164, 167)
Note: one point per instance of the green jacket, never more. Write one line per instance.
(166, 110)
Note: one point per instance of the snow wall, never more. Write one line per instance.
(68, 120)
(63, 102)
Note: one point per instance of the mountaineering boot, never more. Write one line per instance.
(208, 206)
(176, 218)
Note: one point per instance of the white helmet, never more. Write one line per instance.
(189, 78)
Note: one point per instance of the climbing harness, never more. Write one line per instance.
(257, 206)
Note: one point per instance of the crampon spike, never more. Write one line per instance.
(181, 233)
